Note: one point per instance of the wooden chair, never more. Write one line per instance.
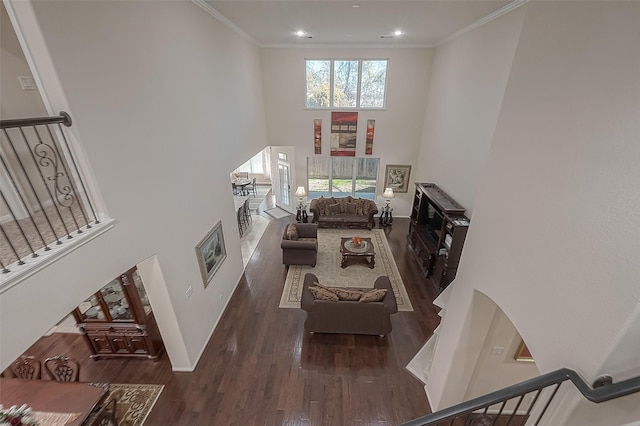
(26, 367)
(246, 213)
(63, 368)
(240, 217)
(252, 187)
(105, 416)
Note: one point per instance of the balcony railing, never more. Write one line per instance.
(526, 402)
(43, 199)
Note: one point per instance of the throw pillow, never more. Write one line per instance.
(348, 294)
(292, 232)
(317, 284)
(362, 206)
(350, 208)
(366, 206)
(323, 206)
(335, 208)
(320, 293)
(375, 295)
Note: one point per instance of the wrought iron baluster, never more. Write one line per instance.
(77, 171)
(41, 150)
(515, 410)
(42, 171)
(546, 406)
(30, 184)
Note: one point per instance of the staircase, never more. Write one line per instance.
(526, 402)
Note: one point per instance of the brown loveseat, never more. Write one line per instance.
(344, 212)
(350, 317)
(303, 249)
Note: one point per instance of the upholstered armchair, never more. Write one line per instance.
(300, 247)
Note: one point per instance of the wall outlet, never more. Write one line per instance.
(497, 350)
(188, 293)
(27, 83)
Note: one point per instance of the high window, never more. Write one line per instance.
(342, 176)
(340, 83)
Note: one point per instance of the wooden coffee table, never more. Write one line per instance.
(351, 255)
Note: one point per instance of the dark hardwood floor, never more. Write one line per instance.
(261, 368)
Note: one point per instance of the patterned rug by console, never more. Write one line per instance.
(133, 402)
(330, 273)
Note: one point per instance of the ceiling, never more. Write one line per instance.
(342, 23)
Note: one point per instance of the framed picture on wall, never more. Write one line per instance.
(397, 177)
(211, 252)
(522, 353)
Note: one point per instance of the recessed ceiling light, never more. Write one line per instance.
(397, 33)
(300, 33)
(356, 6)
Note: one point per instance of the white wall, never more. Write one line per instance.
(398, 127)
(166, 101)
(24, 103)
(551, 239)
(468, 79)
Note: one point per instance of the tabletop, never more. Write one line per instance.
(241, 181)
(347, 248)
(54, 397)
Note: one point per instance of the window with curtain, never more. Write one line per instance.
(342, 176)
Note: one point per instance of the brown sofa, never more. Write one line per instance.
(304, 249)
(325, 316)
(344, 212)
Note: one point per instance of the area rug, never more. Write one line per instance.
(133, 402)
(330, 273)
(277, 213)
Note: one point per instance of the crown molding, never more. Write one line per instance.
(480, 22)
(345, 46)
(220, 17)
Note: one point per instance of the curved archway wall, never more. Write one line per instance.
(554, 237)
(496, 367)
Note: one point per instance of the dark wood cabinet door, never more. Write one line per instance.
(100, 343)
(119, 344)
(138, 345)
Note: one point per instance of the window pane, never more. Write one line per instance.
(374, 75)
(334, 176)
(318, 84)
(318, 177)
(256, 164)
(342, 176)
(345, 84)
(366, 175)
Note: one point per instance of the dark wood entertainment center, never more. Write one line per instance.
(436, 233)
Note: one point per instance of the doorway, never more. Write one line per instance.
(282, 159)
(284, 186)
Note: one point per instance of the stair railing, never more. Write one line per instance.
(43, 199)
(511, 407)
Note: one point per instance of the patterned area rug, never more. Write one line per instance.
(134, 402)
(330, 273)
